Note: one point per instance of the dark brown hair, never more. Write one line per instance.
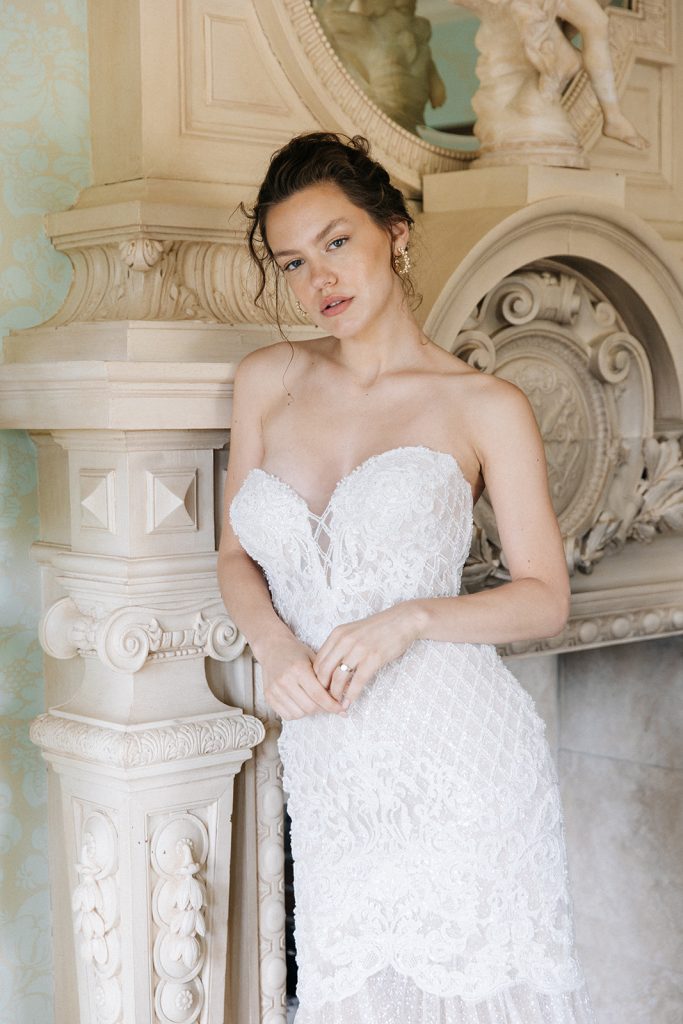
(311, 159)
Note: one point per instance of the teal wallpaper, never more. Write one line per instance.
(44, 162)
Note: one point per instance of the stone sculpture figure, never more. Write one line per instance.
(526, 61)
(385, 47)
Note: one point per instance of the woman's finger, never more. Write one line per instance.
(360, 678)
(329, 655)
(329, 668)
(341, 679)
(286, 707)
(321, 698)
(303, 695)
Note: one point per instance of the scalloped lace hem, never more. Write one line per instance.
(388, 997)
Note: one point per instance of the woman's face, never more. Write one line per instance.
(335, 259)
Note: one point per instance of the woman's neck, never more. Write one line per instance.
(392, 345)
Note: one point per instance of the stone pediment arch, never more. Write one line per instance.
(616, 249)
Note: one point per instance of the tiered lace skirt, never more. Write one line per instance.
(391, 998)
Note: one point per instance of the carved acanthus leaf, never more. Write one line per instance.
(143, 253)
(484, 562)
(661, 490)
(156, 745)
(655, 507)
(147, 278)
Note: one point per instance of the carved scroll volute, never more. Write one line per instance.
(127, 638)
(477, 349)
(552, 333)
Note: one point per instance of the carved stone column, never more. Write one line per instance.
(144, 753)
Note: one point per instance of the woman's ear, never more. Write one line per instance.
(400, 234)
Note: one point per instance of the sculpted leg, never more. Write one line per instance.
(591, 21)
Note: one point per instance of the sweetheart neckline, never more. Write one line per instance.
(356, 469)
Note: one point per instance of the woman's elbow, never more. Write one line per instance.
(559, 609)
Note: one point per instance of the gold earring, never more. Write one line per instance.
(301, 309)
(401, 261)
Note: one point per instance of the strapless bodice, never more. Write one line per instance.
(397, 527)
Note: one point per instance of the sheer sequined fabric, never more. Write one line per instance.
(430, 870)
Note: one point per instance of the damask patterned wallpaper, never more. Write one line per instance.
(44, 162)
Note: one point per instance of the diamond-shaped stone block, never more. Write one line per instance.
(172, 501)
(97, 499)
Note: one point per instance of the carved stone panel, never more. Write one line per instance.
(95, 903)
(552, 332)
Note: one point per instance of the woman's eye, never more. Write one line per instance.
(338, 242)
(292, 265)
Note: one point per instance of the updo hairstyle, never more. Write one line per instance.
(311, 159)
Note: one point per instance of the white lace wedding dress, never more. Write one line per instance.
(430, 872)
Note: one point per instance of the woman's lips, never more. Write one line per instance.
(339, 307)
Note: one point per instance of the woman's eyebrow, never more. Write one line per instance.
(318, 238)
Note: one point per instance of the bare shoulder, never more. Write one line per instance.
(495, 413)
(259, 386)
(263, 363)
(488, 400)
(263, 369)
(264, 376)
(497, 399)
(502, 419)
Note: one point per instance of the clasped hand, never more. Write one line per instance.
(298, 681)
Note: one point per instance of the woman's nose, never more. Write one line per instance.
(321, 275)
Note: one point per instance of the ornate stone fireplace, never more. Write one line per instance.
(165, 793)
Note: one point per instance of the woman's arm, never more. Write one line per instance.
(291, 687)
(241, 582)
(534, 604)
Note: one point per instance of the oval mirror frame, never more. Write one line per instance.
(339, 103)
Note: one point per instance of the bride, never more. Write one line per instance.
(429, 860)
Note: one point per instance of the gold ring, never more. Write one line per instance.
(343, 667)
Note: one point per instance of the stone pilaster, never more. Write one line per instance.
(143, 754)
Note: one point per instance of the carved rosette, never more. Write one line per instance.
(553, 334)
(95, 903)
(179, 852)
(126, 639)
